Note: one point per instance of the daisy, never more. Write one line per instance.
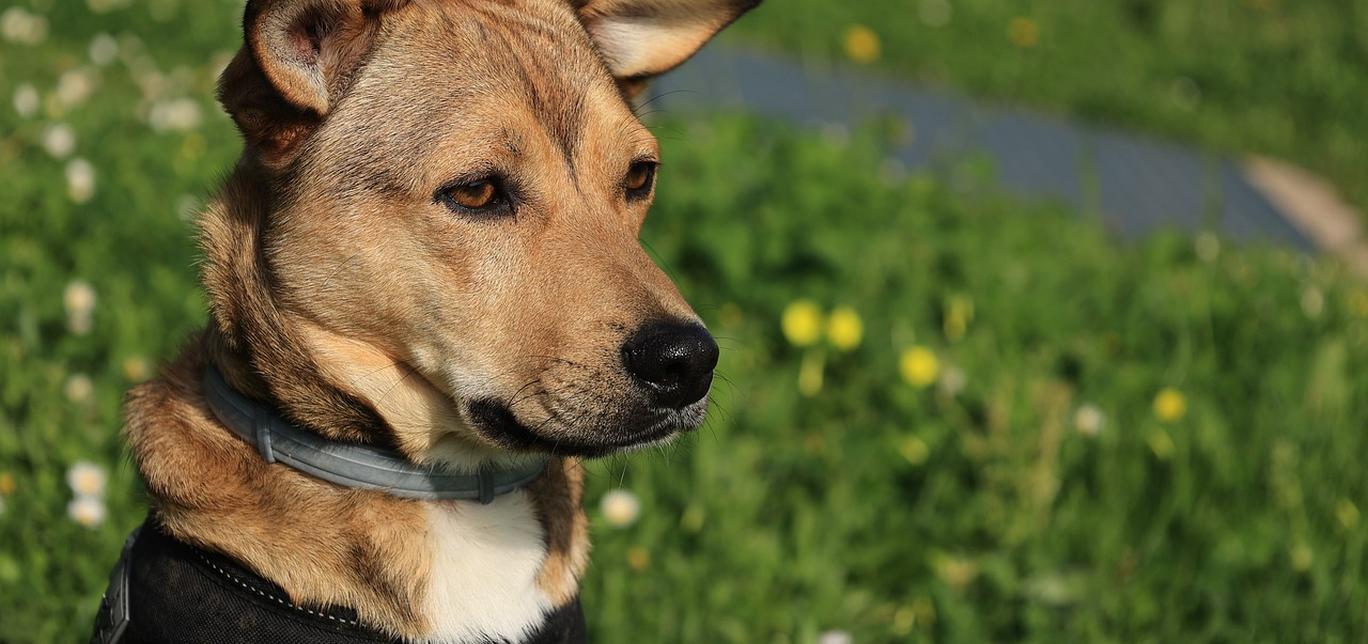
(620, 508)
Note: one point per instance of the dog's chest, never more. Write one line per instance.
(485, 560)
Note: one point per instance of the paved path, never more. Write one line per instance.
(1137, 184)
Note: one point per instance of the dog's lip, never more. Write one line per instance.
(497, 422)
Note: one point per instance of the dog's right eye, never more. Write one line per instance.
(481, 197)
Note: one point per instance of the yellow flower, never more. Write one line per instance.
(1023, 32)
(903, 620)
(956, 572)
(802, 323)
(638, 558)
(810, 374)
(862, 44)
(844, 328)
(1170, 405)
(919, 366)
(959, 311)
(1358, 302)
(135, 369)
(914, 450)
(7, 484)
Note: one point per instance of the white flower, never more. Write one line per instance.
(952, 381)
(835, 637)
(80, 176)
(179, 114)
(88, 511)
(103, 49)
(620, 507)
(1312, 302)
(26, 100)
(20, 26)
(1088, 419)
(79, 297)
(78, 388)
(59, 140)
(74, 87)
(87, 479)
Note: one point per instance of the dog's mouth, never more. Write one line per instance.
(496, 422)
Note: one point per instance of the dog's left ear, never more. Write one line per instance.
(641, 39)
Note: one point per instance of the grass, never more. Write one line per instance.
(970, 502)
(1273, 77)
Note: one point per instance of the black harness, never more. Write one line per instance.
(165, 591)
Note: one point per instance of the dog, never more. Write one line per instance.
(428, 303)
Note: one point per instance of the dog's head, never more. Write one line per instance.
(457, 188)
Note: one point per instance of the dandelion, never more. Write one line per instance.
(862, 44)
(59, 140)
(810, 374)
(21, 27)
(844, 328)
(952, 381)
(78, 388)
(1170, 405)
(87, 479)
(7, 484)
(26, 100)
(1347, 513)
(802, 323)
(135, 368)
(919, 366)
(80, 176)
(914, 449)
(620, 508)
(103, 49)
(88, 511)
(174, 115)
(1023, 32)
(1088, 420)
(835, 637)
(934, 13)
(638, 558)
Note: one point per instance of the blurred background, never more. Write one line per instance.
(1041, 321)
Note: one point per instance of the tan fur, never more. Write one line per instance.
(345, 295)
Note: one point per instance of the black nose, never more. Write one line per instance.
(673, 361)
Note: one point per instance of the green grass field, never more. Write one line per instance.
(1043, 434)
(1277, 77)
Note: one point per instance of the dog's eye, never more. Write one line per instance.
(481, 197)
(640, 179)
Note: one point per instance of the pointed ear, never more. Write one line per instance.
(297, 59)
(644, 38)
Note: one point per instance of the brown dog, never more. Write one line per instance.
(430, 245)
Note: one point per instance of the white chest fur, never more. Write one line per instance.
(485, 561)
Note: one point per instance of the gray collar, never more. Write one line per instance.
(351, 465)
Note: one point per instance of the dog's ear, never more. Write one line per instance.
(297, 58)
(644, 38)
